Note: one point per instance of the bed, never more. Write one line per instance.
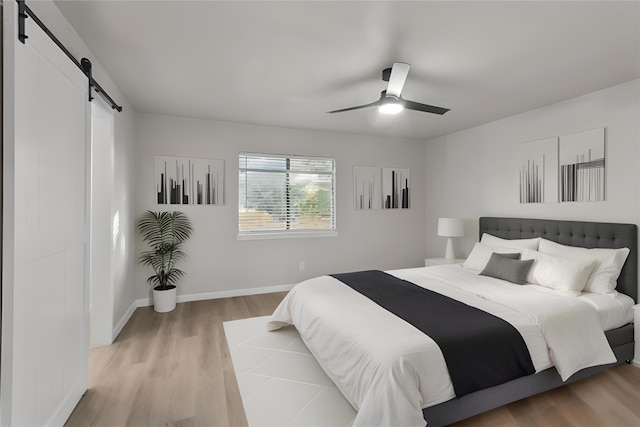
(391, 373)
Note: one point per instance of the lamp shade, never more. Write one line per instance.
(450, 227)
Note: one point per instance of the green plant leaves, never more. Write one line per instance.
(165, 233)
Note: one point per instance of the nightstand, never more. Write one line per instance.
(428, 262)
(636, 329)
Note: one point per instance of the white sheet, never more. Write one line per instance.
(389, 370)
(613, 310)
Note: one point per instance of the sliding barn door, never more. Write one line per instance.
(46, 293)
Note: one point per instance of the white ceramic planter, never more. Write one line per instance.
(165, 300)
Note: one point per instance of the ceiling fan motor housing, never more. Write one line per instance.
(386, 73)
(386, 99)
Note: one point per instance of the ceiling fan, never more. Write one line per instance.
(390, 101)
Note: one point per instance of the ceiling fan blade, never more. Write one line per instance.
(399, 73)
(355, 108)
(410, 105)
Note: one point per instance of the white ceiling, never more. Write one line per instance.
(287, 63)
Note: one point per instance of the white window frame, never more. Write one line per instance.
(288, 234)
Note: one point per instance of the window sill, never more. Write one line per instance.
(286, 235)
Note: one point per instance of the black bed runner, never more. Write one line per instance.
(481, 350)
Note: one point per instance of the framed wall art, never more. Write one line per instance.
(582, 166)
(538, 171)
(189, 181)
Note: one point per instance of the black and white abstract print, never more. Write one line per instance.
(189, 181)
(538, 173)
(582, 166)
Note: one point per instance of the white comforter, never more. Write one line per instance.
(389, 370)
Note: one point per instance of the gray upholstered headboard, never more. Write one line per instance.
(575, 233)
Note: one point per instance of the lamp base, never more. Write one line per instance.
(449, 252)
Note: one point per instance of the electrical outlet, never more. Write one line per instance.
(301, 265)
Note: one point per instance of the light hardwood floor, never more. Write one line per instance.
(174, 369)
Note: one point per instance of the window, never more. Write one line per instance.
(285, 195)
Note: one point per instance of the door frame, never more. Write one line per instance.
(101, 241)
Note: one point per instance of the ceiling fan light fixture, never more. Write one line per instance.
(391, 101)
(390, 105)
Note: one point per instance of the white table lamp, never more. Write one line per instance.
(450, 227)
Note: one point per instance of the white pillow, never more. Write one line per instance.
(609, 262)
(491, 240)
(563, 274)
(481, 253)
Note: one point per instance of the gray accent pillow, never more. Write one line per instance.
(507, 268)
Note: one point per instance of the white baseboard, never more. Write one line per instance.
(123, 321)
(636, 363)
(146, 302)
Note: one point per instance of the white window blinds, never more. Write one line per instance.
(285, 194)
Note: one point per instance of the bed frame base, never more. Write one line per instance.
(482, 401)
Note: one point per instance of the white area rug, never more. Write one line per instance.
(280, 382)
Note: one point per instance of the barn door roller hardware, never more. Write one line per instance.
(25, 12)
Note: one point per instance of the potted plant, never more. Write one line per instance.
(164, 232)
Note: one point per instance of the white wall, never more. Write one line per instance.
(473, 173)
(218, 262)
(123, 255)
